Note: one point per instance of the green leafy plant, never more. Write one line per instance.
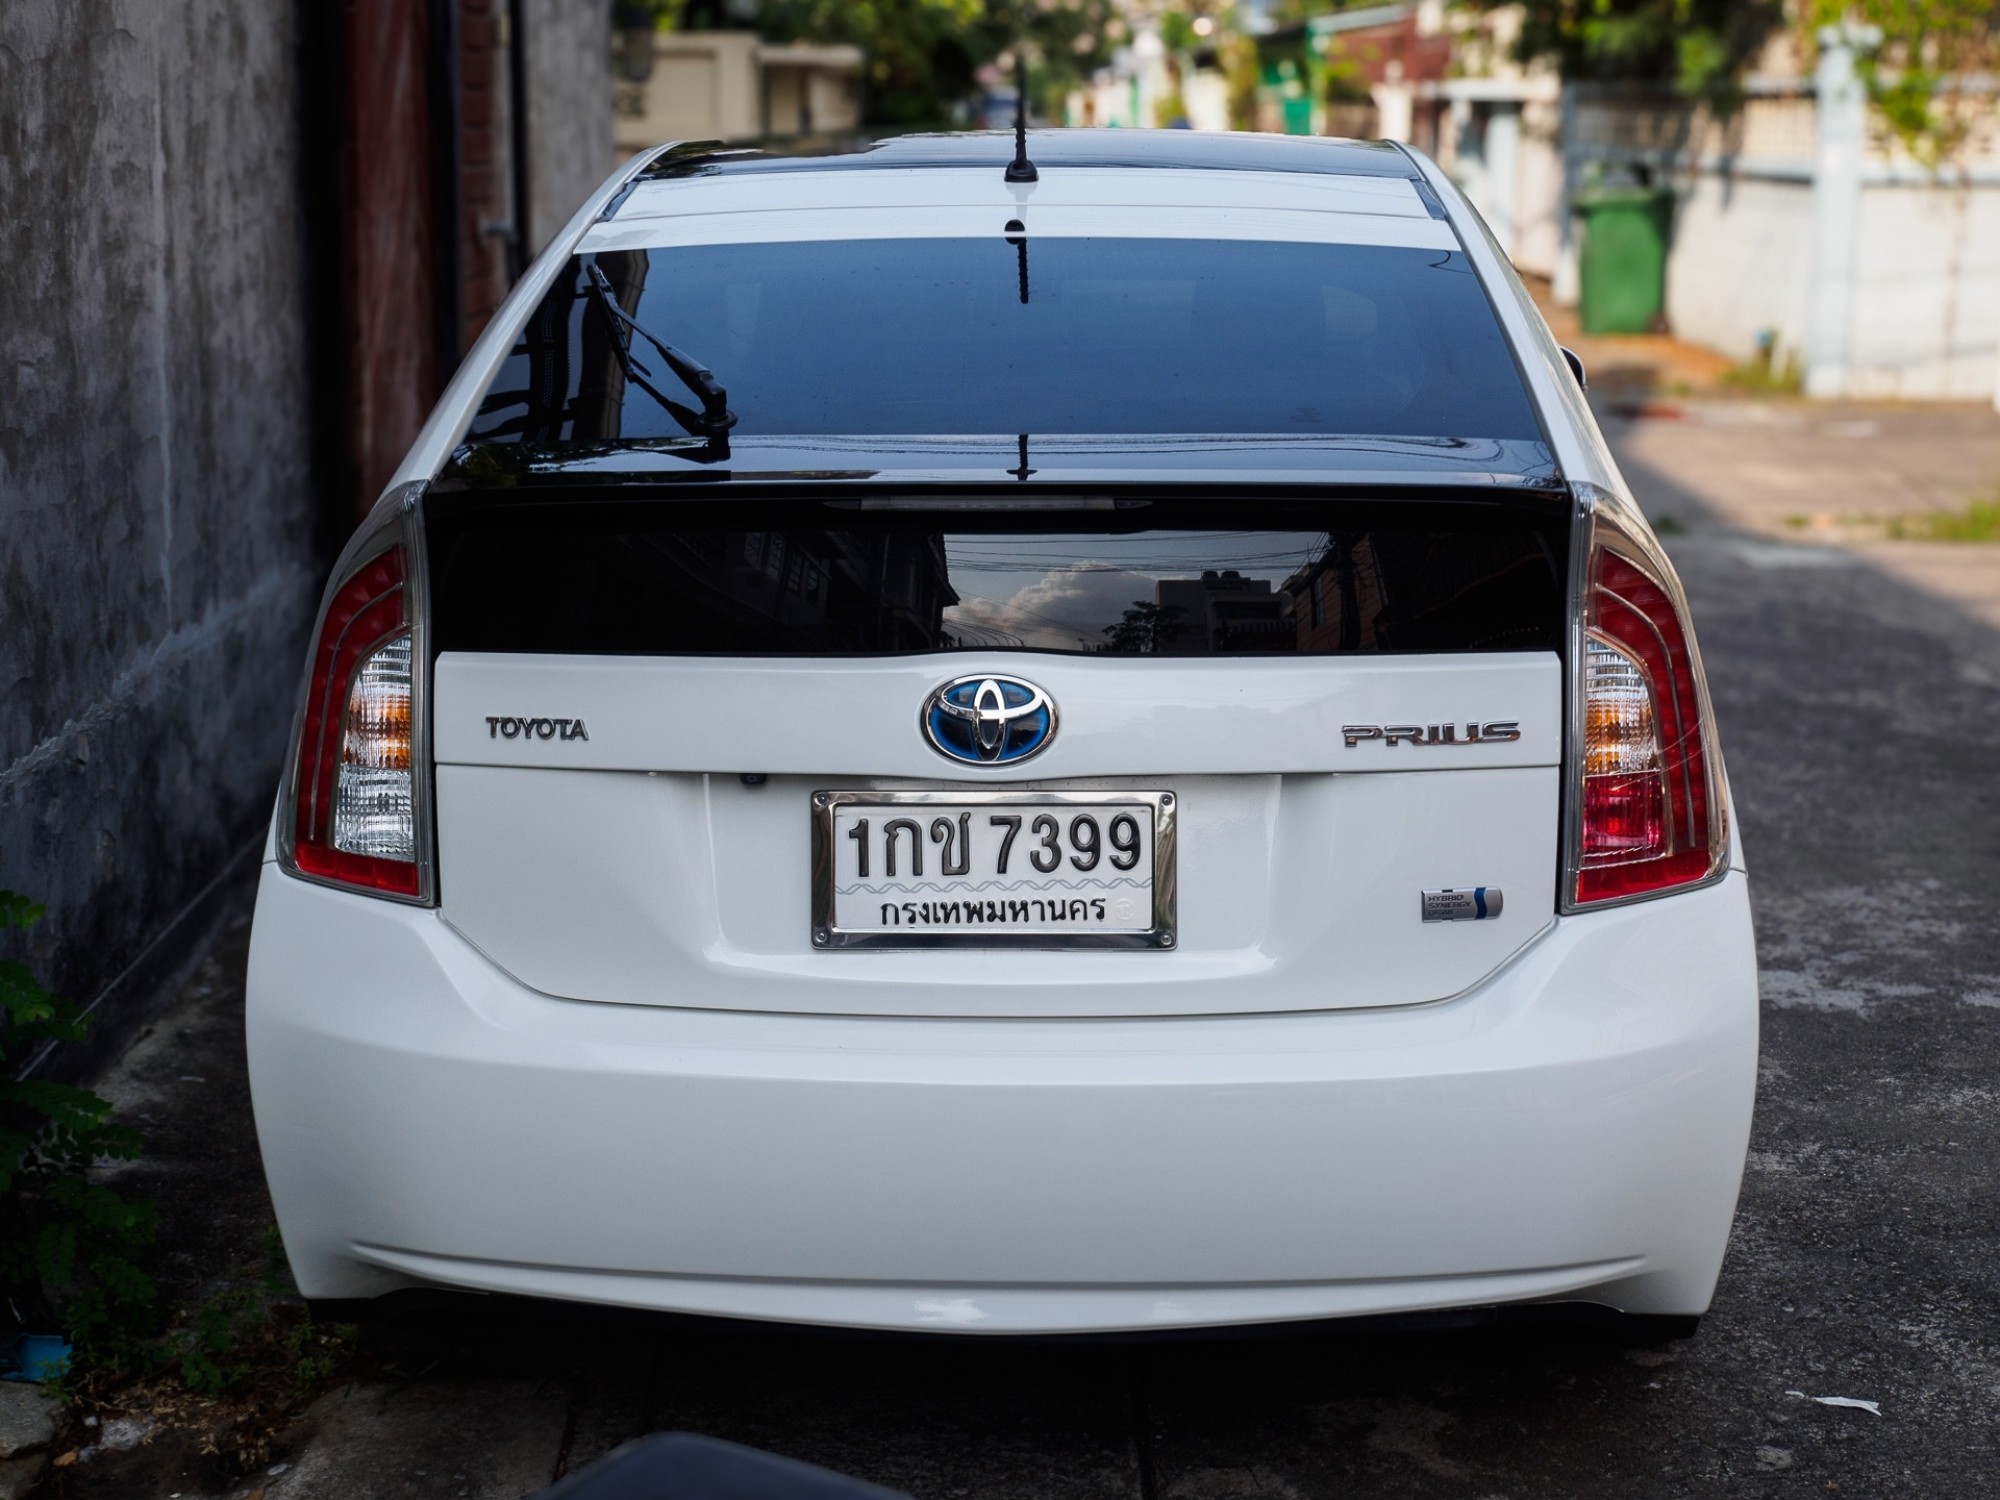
(254, 1335)
(1916, 75)
(67, 1243)
(1698, 47)
(924, 54)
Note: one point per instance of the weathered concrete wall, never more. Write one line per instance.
(157, 558)
(1741, 262)
(1927, 292)
(1924, 315)
(569, 110)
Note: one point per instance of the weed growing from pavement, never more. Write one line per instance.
(1977, 522)
(230, 1370)
(232, 1367)
(257, 1335)
(1761, 375)
(68, 1245)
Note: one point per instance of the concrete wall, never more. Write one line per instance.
(1916, 303)
(569, 110)
(1927, 292)
(1741, 262)
(1541, 201)
(157, 556)
(1924, 315)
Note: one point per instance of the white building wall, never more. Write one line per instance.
(1926, 316)
(1539, 200)
(1741, 262)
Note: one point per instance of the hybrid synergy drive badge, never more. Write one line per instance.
(989, 720)
(1474, 904)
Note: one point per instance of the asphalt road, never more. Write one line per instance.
(1861, 723)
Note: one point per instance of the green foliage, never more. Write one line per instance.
(1177, 32)
(1146, 629)
(67, 1244)
(252, 1338)
(1914, 76)
(255, 1341)
(924, 55)
(1701, 48)
(635, 15)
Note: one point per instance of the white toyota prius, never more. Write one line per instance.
(1010, 741)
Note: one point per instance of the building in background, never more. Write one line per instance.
(1220, 613)
(247, 242)
(734, 86)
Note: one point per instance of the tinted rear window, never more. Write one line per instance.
(934, 337)
(1164, 577)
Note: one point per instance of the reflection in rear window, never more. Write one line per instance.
(1169, 577)
(933, 337)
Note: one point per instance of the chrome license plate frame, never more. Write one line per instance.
(1159, 934)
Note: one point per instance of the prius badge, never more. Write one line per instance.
(1493, 732)
(989, 721)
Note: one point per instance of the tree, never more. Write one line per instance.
(1703, 47)
(1917, 75)
(923, 55)
(1699, 46)
(1146, 629)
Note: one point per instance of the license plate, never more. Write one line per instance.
(993, 869)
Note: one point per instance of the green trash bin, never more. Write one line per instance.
(1624, 270)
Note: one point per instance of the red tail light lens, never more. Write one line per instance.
(1648, 787)
(354, 810)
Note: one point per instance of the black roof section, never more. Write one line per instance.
(1056, 149)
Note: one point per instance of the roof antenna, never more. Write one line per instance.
(1020, 169)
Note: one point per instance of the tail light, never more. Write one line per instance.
(355, 811)
(1647, 813)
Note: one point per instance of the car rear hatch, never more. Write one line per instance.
(1301, 748)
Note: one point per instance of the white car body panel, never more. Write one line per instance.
(661, 204)
(933, 203)
(1121, 716)
(986, 221)
(1301, 866)
(1573, 1128)
(1297, 893)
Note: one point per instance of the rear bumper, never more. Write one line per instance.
(1572, 1130)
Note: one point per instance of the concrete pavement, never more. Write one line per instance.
(1828, 475)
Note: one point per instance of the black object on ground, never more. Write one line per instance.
(688, 1466)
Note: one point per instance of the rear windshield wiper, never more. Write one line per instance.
(715, 418)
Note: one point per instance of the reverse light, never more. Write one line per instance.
(1646, 787)
(355, 793)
